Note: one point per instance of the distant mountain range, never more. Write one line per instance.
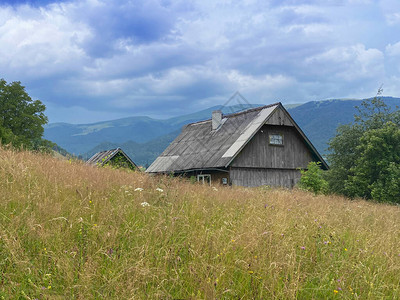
(144, 138)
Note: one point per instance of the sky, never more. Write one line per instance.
(95, 60)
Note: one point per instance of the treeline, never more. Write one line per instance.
(364, 156)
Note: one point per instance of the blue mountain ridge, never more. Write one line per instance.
(144, 138)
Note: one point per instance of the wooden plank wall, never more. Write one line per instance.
(216, 177)
(258, 153)
(252, 177)
(279, 117)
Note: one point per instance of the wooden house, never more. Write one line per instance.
(115, 157)
(260, 146)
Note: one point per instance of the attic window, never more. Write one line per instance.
(276, 139)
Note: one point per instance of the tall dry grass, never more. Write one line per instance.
(70, 231)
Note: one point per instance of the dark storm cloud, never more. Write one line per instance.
(137, 22)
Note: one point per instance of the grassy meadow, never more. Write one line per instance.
(70, 231)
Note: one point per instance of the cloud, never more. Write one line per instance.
(163, 57)
(38, 43)
(393, 59)
(391, 11)
(129, 23)
(393, 50)
(349, 63)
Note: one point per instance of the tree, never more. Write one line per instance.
(21, 118)
(365, 155)
(376, 172)
(342, 156)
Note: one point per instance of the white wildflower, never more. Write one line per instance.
(214, 188)
(160, 190)
(138, 189)
(144, 204)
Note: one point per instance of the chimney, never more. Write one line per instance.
(216, 119)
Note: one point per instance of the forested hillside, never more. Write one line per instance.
(319, 119)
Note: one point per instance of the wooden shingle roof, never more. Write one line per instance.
(200, 147)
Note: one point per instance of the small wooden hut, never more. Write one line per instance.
(260, 146)
(114, 157)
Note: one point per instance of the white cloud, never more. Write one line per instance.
(39, 42)
(393, 18)
(391, 11)
(247, 83)
(393, 50)
(364, 2)
(349, 63)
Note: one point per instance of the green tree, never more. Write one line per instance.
(376, 172)
(21, 118)
(343, 156)
(365, 154)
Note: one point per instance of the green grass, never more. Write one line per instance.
(68, 230)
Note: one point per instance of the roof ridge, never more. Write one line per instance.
(239, 113)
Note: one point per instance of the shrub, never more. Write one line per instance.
(312, 179)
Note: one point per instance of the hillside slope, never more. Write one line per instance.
(68, 230)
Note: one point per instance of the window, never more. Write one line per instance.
(276, 139)
(204, 179)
